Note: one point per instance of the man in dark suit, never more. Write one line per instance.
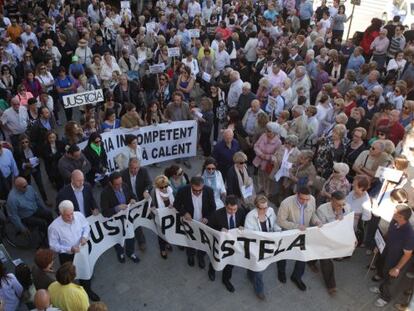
(139, 182)
(226, 218)
(115, 197)
(195, 201)
(80, 194)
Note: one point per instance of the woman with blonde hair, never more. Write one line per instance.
(331, 150)
(407, 113)
(163, 198)
(287, 93)
(238, 181)
(302, 172)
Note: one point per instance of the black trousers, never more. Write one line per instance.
(37, 176)
(191, 252)
(328, 272)
(41, 219)
(63, 258)
(205, 143)
(227, 272)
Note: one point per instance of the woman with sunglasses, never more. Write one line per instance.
(213, 178)
(27, 161)
(163, 198)
(407, 113)
(261, 218)
(45, 78)
(177, 177)
(96, 155)
(238, 181)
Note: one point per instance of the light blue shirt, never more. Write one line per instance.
(302, 212)
(355, 63)
(8, 164)
(305, 10)
(22, 205)
(79, 198)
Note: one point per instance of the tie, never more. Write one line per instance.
(232, 226)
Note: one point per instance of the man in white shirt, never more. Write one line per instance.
(277, 76)
(195, 202)
(29, 35)
(67, 234)
(235, 90)
(193, 9)
(207, 10)
(14, 121)
(222, 57)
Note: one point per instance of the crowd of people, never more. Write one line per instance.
(294, 121)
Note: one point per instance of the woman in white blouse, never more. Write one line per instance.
(132, 150)
(263, 219)
(213, 178)
(163, 198)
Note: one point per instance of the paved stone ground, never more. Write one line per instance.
(158, 284)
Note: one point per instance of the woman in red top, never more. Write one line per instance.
(350, 102)
(369, 35)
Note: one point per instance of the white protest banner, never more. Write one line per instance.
(84, 98)
(173, 52)
(125, 5)
(159, 68)
(194, 33)
(253, 250)
(161, 142)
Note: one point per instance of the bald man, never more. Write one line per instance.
(42, 301)
(26, 209)
(224, 150)
(80, 194)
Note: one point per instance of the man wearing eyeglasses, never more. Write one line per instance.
(26, 209)
(195, 202)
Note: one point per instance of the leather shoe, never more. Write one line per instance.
(201, 263)
(281, 277)
(164, 254)
(211, 274)
(261, 296)
(134, 258)
(229, 286)
(299, 284)
(313, 267)
(190, 261)
(121, 258)
(93, 296)
(332, 291)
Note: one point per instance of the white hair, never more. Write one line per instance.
(65, 205)
(247, 85)
(310, 53)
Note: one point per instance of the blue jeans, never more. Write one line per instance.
(298, 271)
(257, 280)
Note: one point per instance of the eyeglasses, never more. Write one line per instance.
(25, 142)
(43, 68)
(210, 168)
(196, 190)
(405, 107)
(241, 163)
(373, 148)
(164, 187)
